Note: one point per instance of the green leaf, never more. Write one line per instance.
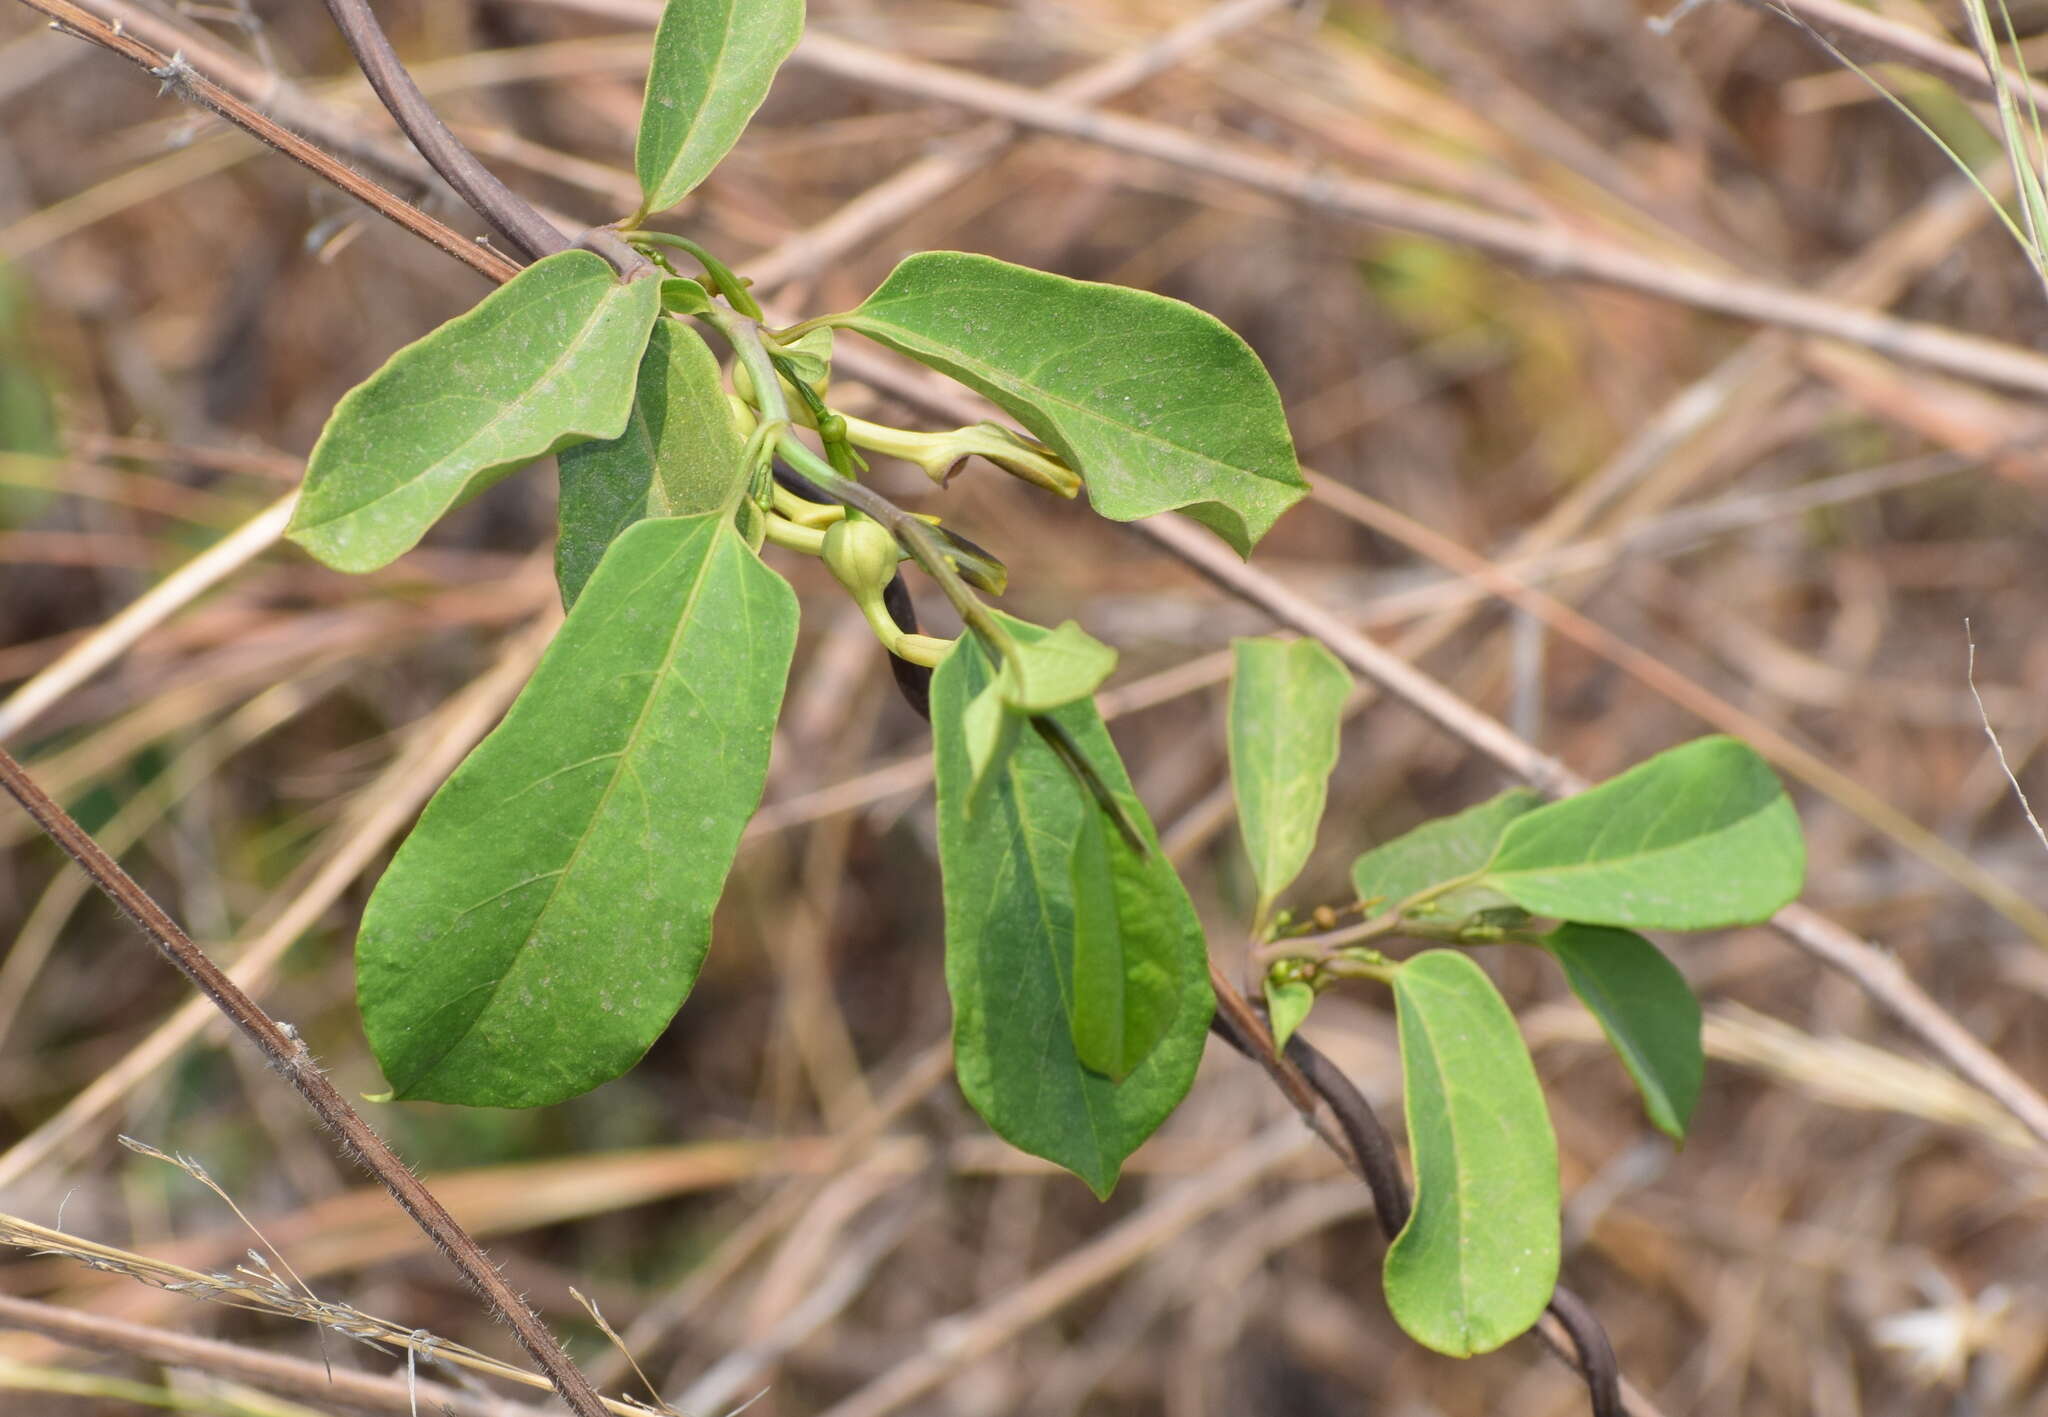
(1646, 1009)
(543, 362)
(1045, 674)
(989, 729)
(1287, 1004)
(679, 456)
(713, 63)
(1286, 707)
(1696, 838)
(1157, 404)
(1443, 850)
(682, 296)
(809, 356)
(1010, 940)
(547, 916)
(1127, 980)
(1475, 1264)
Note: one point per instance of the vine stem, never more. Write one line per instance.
(1305, 1075)
(287, 1053)
(530, 233)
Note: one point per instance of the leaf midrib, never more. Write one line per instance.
(1610, 863)
(622, 759)
(1019, 387)
(569, 351)
(695, 123)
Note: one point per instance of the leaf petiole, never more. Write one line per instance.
(731, 286)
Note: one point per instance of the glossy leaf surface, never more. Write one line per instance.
(1476, 1262)
(1286, 706)
(1646, 1009)
(1010, 941)
(1695, 838)
(713, 63)
(1157, 404)
(549, 913)
(679, 456)
(547, 360)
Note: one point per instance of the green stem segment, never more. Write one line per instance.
(729, 285)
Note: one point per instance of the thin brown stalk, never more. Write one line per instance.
(1552, 251)
(285, 1052)
(177, 74)
(1879, 975)
(1654, 674)
(295, 1377)
(530, 233)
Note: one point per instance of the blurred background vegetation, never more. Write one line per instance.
(789, 1193)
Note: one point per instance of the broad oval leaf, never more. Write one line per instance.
(1443, 850)
(1286, 707)
(1044, 674)
(1157, 404)
(1695, 838)
(1476, 1262)
(1127, 950)
(545, 919)
(713, 63)
(1010, 938)
(680, 455)
(1647, 1011)
(543, 362)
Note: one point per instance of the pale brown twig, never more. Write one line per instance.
(393, 800)
(1551, 251)
(283, 1050)
(177, 73)
(358, 1392)
(118, 635)
(1879, 975)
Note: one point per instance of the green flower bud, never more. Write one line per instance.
(862, 556)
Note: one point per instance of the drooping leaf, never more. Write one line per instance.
(1044, 674)
(1443, 850)
(1157, 404)
(988, 728)
(1287, 1004)
(1286, 706)
(1695, 838)
(545, 361)
(1127, 950)
(1476, 1262)
(713, 63)
(680, 455)
(1647, 1010)
(1010, 937)
(549, 913)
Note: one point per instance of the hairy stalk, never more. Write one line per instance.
(283, 1050)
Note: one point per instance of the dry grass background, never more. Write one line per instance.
(788, 1194)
